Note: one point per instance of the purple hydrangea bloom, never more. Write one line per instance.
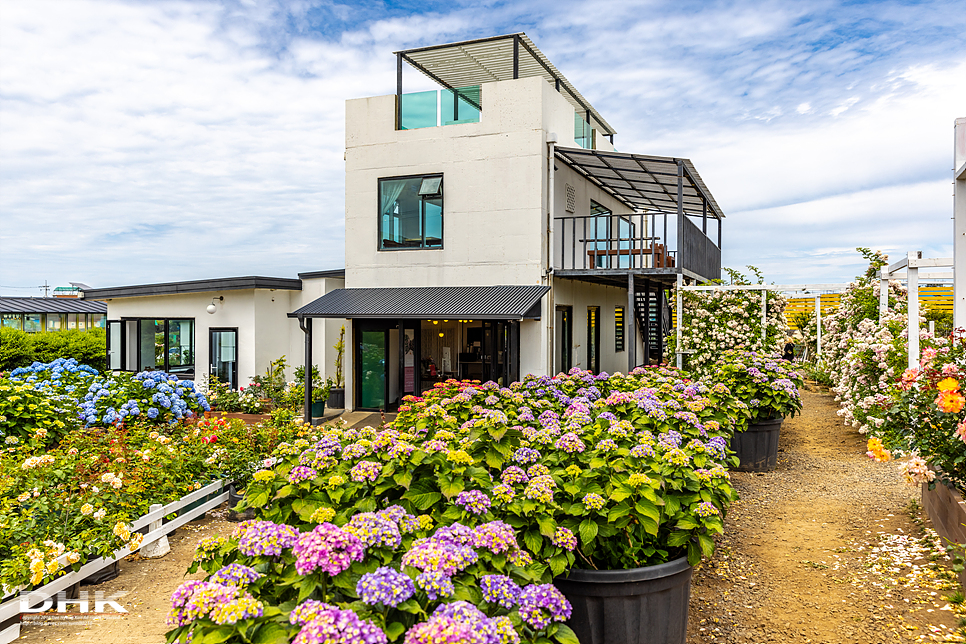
(265, 538)
(301, 473)
(235, 575)
(336, 626)
(495, 536)
(385, 586)
(526, 455)
(436, 584)
(542, 604)
(474, 502)
(374, 530)
(500, 589)
(514, 474)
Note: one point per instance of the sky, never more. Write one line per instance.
(155, 141)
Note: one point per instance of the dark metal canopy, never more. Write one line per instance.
(499, 58)
(195, 286)
(50, 305)
(471, 302)
(644, 183)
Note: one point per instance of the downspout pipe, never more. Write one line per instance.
(306, 325)
(548, 270)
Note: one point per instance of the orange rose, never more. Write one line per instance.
(948, 384)
(950, 402)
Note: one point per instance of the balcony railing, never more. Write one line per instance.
(593, 242)
(609, 241)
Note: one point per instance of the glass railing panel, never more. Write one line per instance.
(461, 105)
(418, 110)
(583, 132)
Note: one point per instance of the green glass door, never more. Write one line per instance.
(373, 361)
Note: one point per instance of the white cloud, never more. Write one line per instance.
(152, 141)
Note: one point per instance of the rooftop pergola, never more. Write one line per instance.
(474, 62)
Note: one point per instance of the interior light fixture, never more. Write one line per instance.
(441, 334)
(435, 321)
(211, 307)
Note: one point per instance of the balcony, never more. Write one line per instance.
(656, 238)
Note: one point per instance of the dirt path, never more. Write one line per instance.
(148, 584)
(824, 549)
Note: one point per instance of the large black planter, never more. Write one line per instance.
(336, 399)
(234, 498)
(757, 446)
(638, 606)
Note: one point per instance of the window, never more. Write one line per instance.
(584, 134)
(33, 322)
(13, 321)
(56, 321)
(97, 321)
(618, 328)
(593, 338)
(610, 236)
(164, 345)
(411, 212)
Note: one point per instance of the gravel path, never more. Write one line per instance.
(828, 548)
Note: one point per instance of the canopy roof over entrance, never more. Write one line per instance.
(471, 302)
(500, 58)
(643, 182)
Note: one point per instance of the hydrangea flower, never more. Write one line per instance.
(385, 586)
(540, 489)
(500, 589)
(365, 471)
(436, 584)
(526, 455)
(514, 474)
(542, 604)
(495, 536)
(503, 493)
(374, 531)
(570, 443)
(336, 626)
(301, 473)
(327, 548)
(235, 575)
(264, 538)
(706, 509)
(593, 501)
(564, 538)
(474, 502)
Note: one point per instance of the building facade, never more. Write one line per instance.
(493, 231)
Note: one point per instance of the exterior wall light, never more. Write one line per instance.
(211, 307)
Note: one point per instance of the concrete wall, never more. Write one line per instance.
(581, 295)
(265, 332)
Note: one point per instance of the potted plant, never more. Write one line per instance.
(768, 388)
(337, 386)
(627, 487)
(320, 390)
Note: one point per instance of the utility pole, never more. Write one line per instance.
(46, 287)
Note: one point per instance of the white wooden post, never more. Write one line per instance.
(679, 301)
(932, 327)
(157, 548)
(818, 324)
(764, 319)
(883, 293)
(912, 284)
(959, 223)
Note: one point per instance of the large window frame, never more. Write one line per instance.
(141, 330)
(424, 196)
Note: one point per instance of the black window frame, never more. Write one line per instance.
(186, 375)
(442, 212)
(593, 339)
(620, 319)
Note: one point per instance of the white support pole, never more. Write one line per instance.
(160, 547)
(818, 324)
(932, 328)
(679, 333)
(883, 294)
(764, 319)
(959, 223)
(912, 284)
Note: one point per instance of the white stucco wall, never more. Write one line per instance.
(581, 295)
(265, 332)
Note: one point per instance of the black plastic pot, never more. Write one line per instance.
(637, 606)
(107, 573)
(336, 398)
(757, 446)
(234, 498)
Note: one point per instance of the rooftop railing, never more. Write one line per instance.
(439, 107)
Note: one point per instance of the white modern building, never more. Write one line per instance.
(492, 230)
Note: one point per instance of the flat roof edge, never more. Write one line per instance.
(195, 286)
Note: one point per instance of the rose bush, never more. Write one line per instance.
(719, 320)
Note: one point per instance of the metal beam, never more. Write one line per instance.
(679, 260)
(630, 323)
(516, 56)
(305, 324)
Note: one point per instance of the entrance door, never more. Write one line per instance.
(565, 339)
(115, 345)
(372, 358)
(501, 351)
(223, 356)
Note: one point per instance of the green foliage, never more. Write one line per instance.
(943, 321)
(20, 349)
(272, 384)
(768, 386)
(339, 357)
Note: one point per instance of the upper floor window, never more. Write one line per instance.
(411, 212)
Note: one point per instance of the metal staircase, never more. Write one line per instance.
(653, 316)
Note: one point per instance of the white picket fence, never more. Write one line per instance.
(11, 607)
